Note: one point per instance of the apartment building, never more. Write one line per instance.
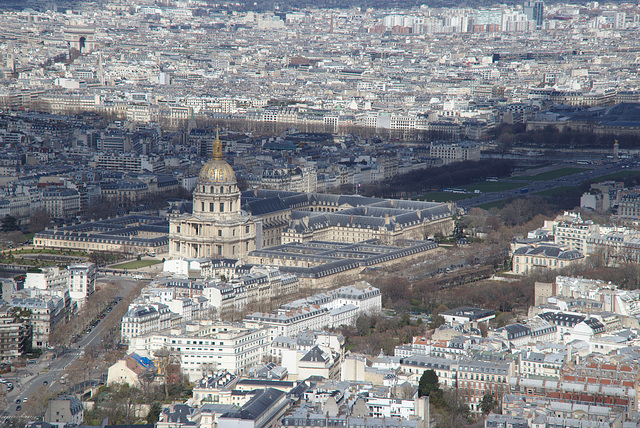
(455, 152)
(142, 319)
(61, 202)
(477, 378)
(81, 281)
(15, 335)
(415, 365)
(290, 323)
(44, 314)
(205, 344)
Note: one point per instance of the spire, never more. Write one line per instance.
(216, 152)
(100, 69)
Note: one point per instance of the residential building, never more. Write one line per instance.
(61, 202)
(15, 335)
(455, 152)
(477, 378)
(263, 410)
(64, 410)
(204, 345)
(128, 371)
(543, 258)
(82, 281)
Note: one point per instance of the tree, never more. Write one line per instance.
(488, 403)
(364, 324)
(154, 413)
(406, 391)
(436, 319)
(9, 223)
(39, 220)
(428, 383)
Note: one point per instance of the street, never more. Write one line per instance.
(46, 372)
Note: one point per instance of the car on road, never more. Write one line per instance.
(45, 382)
(18, 408)
(18, 401)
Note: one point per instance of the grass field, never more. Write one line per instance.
(559, 191)
(616, 176)
(550, 175)
(497, 204)
(52, 251)
(136, 264)
(492, 186)
(445, 196)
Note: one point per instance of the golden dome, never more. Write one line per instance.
(217, 170)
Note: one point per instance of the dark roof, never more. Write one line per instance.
(262, 382)
(562, 318)
(595, 324)
(314, 355)
(548, 251)
(257, 406)
(263, 206)
(179, 415)
(38, 424)
(515, 330)
(300, 389)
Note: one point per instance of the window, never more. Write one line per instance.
(221, 207)
(202, 207)
(211, 208)
(247, 229)
(219, 232)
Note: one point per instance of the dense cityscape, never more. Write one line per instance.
(284, 214)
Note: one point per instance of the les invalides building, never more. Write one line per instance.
(217, 227)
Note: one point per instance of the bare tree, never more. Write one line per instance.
(38, 401)
(165, 358)
(39, 220)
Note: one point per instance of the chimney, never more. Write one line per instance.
(386, 219)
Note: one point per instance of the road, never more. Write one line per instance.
(29, 379)
(540, 186)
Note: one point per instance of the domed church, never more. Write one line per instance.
(217, 227)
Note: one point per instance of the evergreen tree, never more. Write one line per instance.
(9, 224)
(488, 403)
(428, 383)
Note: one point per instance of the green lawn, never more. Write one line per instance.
(559, 191)
(136, 264)
(497, 204)
(551, 175)
(616, 176)
(492, 186)
(52, 251)
(445, 196)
